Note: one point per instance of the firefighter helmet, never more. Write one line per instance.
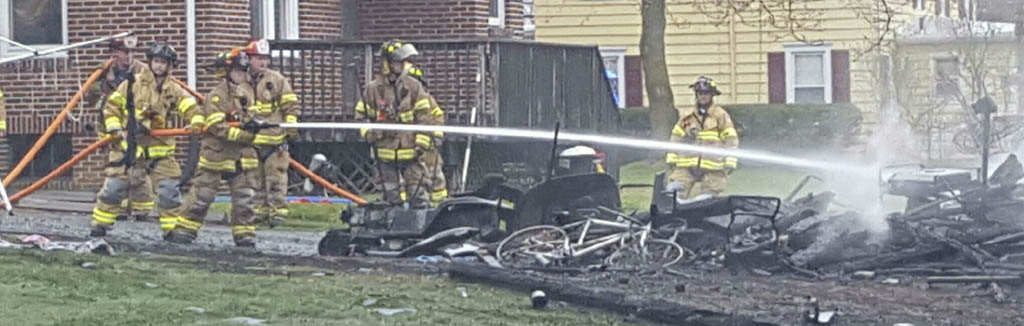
(228, 60)
(705, 85)
(580, 160)
(123, 43)
(396, 50)
(258, 47)
(162, 50)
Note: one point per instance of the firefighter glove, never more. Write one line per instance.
(255, 126)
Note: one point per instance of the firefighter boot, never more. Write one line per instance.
(180, 236)
(245, 241)
(97, 231)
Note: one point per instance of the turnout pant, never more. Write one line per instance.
(140, 208)
(406, 181)
(272, 183)
(438, 185)
(148, 177)
(683, 180)
(204, 191)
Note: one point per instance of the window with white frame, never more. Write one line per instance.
(39, 24)
(496, 14)
(808, 73)
(615, 71)
(919, 4)
(275, 19)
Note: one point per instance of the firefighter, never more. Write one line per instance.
(707, 125)
(580, 159)
(3, 115)
(431, 157)
(227, 153)
(124, 65)
(275, 103)
(395, 96)
(156, 97)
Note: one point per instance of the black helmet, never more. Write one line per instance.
(705, 85)
(162, 50)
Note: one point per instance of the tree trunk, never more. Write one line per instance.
(663, 113)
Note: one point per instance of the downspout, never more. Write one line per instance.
(732, 55)
(190, 41)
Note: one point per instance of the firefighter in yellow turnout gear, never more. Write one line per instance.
(275, 103)
(707, 125)
(3, 115)
(431, 157)
(156, 98)
(227, 153)
(395, 96)
(96, 96)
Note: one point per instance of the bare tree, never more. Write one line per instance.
(663, 113)
(933, 96)
(792, 19)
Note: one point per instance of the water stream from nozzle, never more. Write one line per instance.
(618, 141)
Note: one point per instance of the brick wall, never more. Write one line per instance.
(220, 25)
(514, 17)
(319, 19)
(423, 20)
(152, 21)
(450, 71)
(37, 89)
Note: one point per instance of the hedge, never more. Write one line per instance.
(779, 127)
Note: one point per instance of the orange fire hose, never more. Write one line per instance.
(50, 130)
(329, 186)
(103, 141)
(60, 170)
(172, 132)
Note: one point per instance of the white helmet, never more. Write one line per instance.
(578, 151)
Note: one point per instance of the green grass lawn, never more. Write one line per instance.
(51, 288)
(766, 181)
(303, 217)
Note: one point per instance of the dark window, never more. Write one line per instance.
(634, 81)
(947, 77)
(36, 22)
(56, 151)
(777, 77)
(840, 76)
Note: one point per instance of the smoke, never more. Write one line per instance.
(892, 142)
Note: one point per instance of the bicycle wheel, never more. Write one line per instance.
(535, 245)
(664, 253)
(656, 253)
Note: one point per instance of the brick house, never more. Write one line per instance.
(37, 89)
